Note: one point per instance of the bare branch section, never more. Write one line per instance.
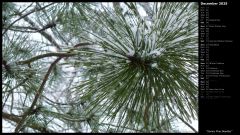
(43, 33)
(20, 84)
(16, 119)
(24, 27)
(37, 95)
(40, 30)
(22, 16)
(46, 55)
(186, 123)
(34, 30)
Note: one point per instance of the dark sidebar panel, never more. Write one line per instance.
(219, 56)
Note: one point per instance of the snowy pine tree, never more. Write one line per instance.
(99, 67)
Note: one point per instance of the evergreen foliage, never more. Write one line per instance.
(89, 67)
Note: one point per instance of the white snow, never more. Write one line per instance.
(156, 52)
(153, 91)
(131, 52)
(171, 66)
(154, 65)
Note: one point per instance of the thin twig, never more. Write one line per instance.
(43, 33)
(184, 122)
(25, 31)
(45, 55)
(26, 8)
(16, 119)
(37, 95)
(21, 17)
(34, 30)
(20, 84)
(121, 126)
(187, 124)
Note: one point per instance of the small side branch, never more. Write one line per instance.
(16, 119)
(187, 124)
(21, 17)
(43, 33)
(45, 55)
(37, 95)
(40, 30)
(33, 29)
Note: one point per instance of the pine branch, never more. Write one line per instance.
(43, 33)
(136, 130)
(49, 25)
(186, 123)
(46, 55)
(37, 95)
(21, 83)
(34, 30)
(23, 27)
(67, 117)
(25, 15)
(16, 119)
(81, 44)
